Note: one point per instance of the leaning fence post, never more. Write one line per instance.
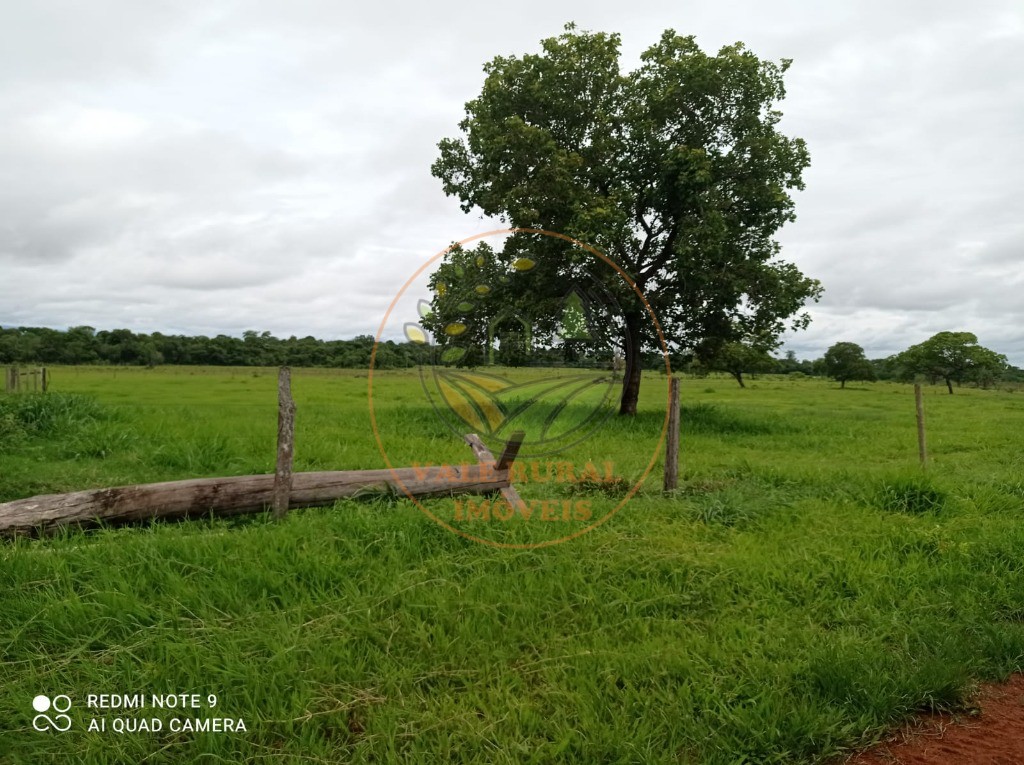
(672, 437)
(922, 449)
(285, 442)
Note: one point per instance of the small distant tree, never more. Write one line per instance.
(953, 357)
(846, 361)
(740, 357)
(788, 364)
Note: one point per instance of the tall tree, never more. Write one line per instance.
(952, 357)
(846, 361)
(676, 170)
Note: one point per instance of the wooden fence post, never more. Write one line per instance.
(285, 442)
(672, 437)
(922, 449)
(46, 379)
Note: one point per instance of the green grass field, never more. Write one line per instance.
(805, 589)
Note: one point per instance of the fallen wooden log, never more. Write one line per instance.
(238, 495)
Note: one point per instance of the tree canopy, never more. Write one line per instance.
(676, 170)
(846, 361)
(739, 357)
(952, 357)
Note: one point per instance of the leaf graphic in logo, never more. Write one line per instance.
(453, 354)
(552, 409)
(475, 405)
(414, 334)
(548, 410)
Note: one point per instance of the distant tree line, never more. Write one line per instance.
(950, 358)
(85, 345)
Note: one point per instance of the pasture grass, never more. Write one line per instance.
(804, 589)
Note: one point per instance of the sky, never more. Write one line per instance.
(207, 168)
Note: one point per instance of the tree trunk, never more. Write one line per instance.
(634, 361)
(739, 379)
(842, 384)
(949, 384)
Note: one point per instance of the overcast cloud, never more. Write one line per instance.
(208, 168)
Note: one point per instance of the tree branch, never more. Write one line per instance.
(667, 251)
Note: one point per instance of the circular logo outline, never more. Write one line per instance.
(373, 415)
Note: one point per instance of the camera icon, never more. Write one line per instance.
(60, 721)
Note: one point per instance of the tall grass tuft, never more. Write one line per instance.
(41, 415)
(909, 494)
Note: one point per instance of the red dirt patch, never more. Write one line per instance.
(993, 737)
